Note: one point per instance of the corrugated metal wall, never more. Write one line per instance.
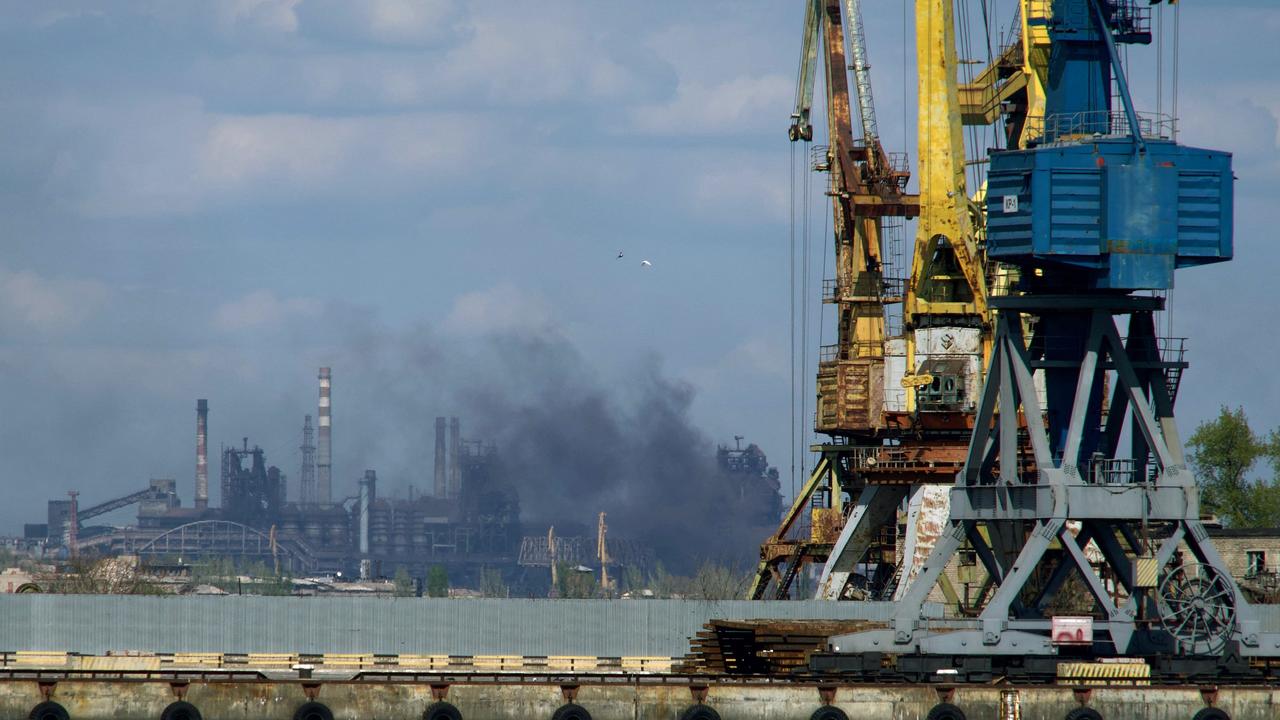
(95, 624)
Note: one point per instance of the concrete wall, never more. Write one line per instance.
(268, 700)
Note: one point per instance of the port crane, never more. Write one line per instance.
(895, 407)
(1073, 469)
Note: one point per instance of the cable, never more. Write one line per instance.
(791, 296)
(804, 285)
(1177, 31)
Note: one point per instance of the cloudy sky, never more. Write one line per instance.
(212, 199)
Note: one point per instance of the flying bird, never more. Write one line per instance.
(645, 263)
(619, 254)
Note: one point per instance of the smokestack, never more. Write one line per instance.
(307, 479)
(368, 492)
(202, 454)
(442, 488)
(324, 459)
(455, 452)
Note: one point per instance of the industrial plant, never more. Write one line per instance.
(469, 522)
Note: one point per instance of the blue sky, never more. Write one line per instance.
(211, 199)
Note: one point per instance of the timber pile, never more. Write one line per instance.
(761, 647)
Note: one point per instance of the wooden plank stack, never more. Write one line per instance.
(761, 647)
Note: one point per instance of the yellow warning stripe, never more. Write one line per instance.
(345, 661)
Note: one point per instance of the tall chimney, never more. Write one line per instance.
(202, 454)
(368, 493)
(455, 453)
(307, 478)
(442, 487)
(324, 458)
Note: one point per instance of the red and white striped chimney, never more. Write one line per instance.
(324, 459)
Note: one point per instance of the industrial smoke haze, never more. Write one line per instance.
(571, 442)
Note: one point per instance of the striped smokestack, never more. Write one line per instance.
(455, 457)
(442, 487)
(202, 454)
(324, 459)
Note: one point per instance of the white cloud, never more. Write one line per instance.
(740, 189)
(262, 309)
(390, 22)
(742, 104)
(49, 305)
(503, 309)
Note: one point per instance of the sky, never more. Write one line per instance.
(211, 199)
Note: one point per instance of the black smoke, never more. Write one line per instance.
(574, 442)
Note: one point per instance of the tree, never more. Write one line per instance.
(574, 583)
(718, 582)
(403, 583)
(1223, 453)
(437, 581)
(492, 585)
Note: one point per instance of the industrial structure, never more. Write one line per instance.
(1011, 427)
(470, 522)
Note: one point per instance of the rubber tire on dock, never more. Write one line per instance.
(1211, 713)
(700, 712)
(442, 710)
(1084, 713)
(49, 710)
(829, 712)
(945, 711)
(571, 711)
(313, 711)
(181, 710)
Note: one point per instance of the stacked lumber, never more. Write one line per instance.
(761, 647)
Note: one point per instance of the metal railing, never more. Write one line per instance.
(1064, 127)
(886, 289)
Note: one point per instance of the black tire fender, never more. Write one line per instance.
(49, 710)
(829, 712)
(441, 710)
(181, 710)
(313, 711)
(945, 711)
(1084, 713)
(1211, 713)
(700, 712)
(571, 711)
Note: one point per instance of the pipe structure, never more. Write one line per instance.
(202, 454)
(324, 457)
(441, 482)
(368, 493)
(307, 479)
(455, 458)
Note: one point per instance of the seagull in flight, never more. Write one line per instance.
(619, 254)
(645, 263)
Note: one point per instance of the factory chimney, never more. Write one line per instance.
(455, 458)
(324, 457)
(442, 488)
(307, 478)
(202, 454)
(368, 493)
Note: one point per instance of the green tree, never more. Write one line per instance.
(403, 583)
(492, 584)
(438, 581)
(574, 583)
(1223, 453)
(715, 581)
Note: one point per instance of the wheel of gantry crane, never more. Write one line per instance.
(442, 710)
(1084, 713)
(313, 711)
(180, 710)
(48, 710)
(829, 712)
(1211, 713)
(1198, 607)
(700, 712)
(945, 711)
(571, 711)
